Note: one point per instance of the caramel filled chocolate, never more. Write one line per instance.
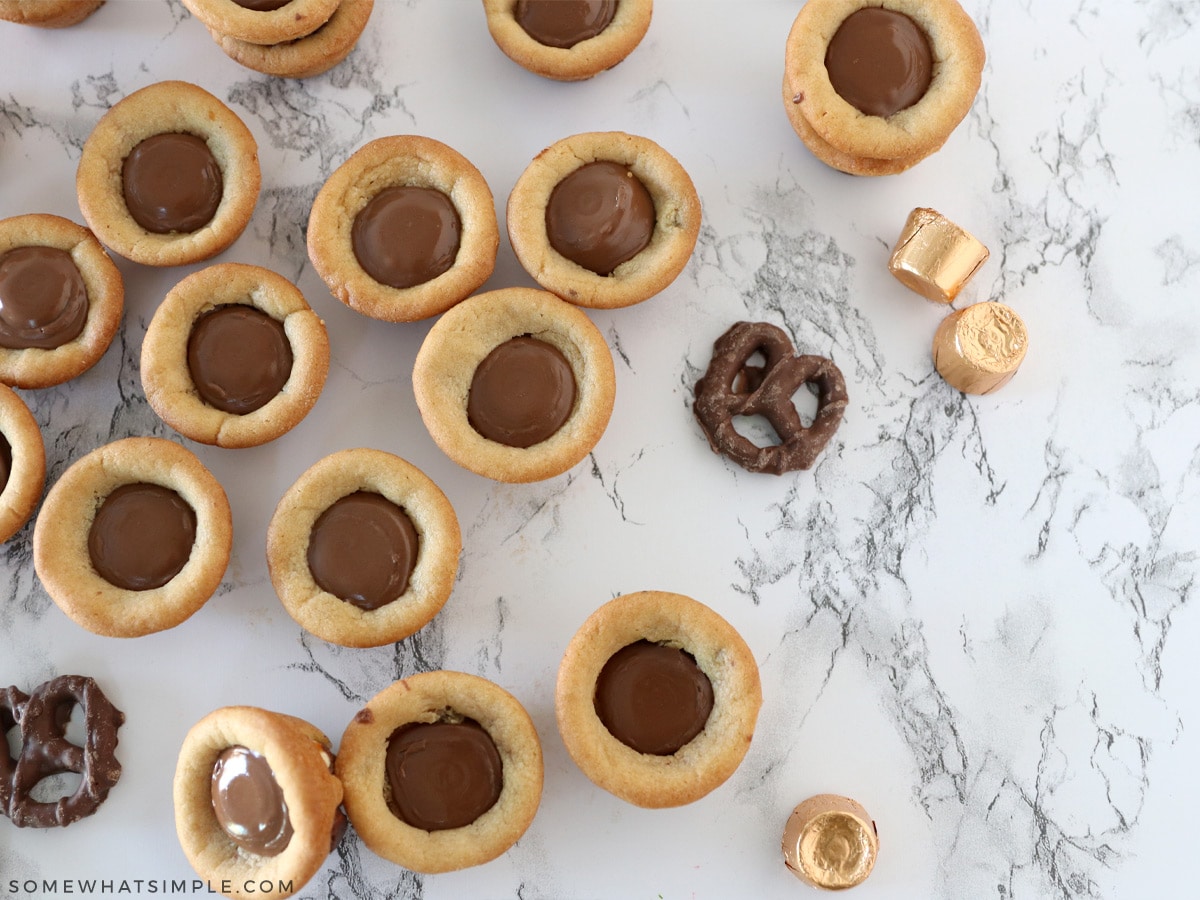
(879, 61)
(406, 236)
(522, 393)
(172, 183)
(142, 536)
(239, 358)
(262, 5)
(653, 698)
(363, 549)
(43, 300)
(600, 216)
(248, 802)
(442, 775)
(564, 23)
(5, 462)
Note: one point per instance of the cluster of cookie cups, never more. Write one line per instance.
(871, 131)
(286, 38)
(433, 811)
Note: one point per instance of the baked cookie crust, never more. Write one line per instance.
(701, 765)
(35, 367)
(287, 23)
(301, 759)
(402, 161)
(332, 618)
(48, 13)
(60, 538)
(440, 697)
(27, 475)
(629, 25)
(456, 345)
(677, 220)
(163, 108)
(307, 56)
(958, 59)
(167, 380)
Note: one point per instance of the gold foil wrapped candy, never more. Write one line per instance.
(934, 257)
(830, 842)
(978, 349)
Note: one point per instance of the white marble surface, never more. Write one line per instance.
(975, 615)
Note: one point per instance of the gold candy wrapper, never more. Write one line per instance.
(830, 842)
(934, 257)
(978, 349)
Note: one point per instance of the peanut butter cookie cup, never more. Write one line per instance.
(567, 41)
(874, 88)
(306, 56)
(61, 300)
(48, 13)
(263, 21)
(168, 176)
(604, 219)
(22, 463)
(256, 801)
(409, 186)
(363, 549)
(133, 538)
(657, 699)
(515, 384)
(442, 771)
(234, 356)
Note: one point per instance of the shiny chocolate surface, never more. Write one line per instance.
(249, 803)
(363, 549)
(564, 23)
(600, 216)
(142, 536)
(43, 300)
(406, 235)
(239, 358)
(522, 393)
(172, 183)
(879, 61)
(653, 698)
(442, 775)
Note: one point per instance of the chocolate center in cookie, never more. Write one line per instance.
(172, 183)
(5, 462)
(239, 358)
(248, 802)
(443, 774)
(600, 216)
(653, 698)
(879, 61)
(262, 5)
(406, 236)
(564, 23)
(363, 549)
(43, 300)
(142, 536)
(522, 393)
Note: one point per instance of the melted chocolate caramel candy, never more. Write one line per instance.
(600, 216)
(363, 549)
(653, 698)
(239, 358)
(5, 462)
(879, 61)
(564, 23)
(142, 536)
(522, 393)
(172, 183)
(248, 802)
(406, 236)
(262, 5)
(442, 775)
(43, 300)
